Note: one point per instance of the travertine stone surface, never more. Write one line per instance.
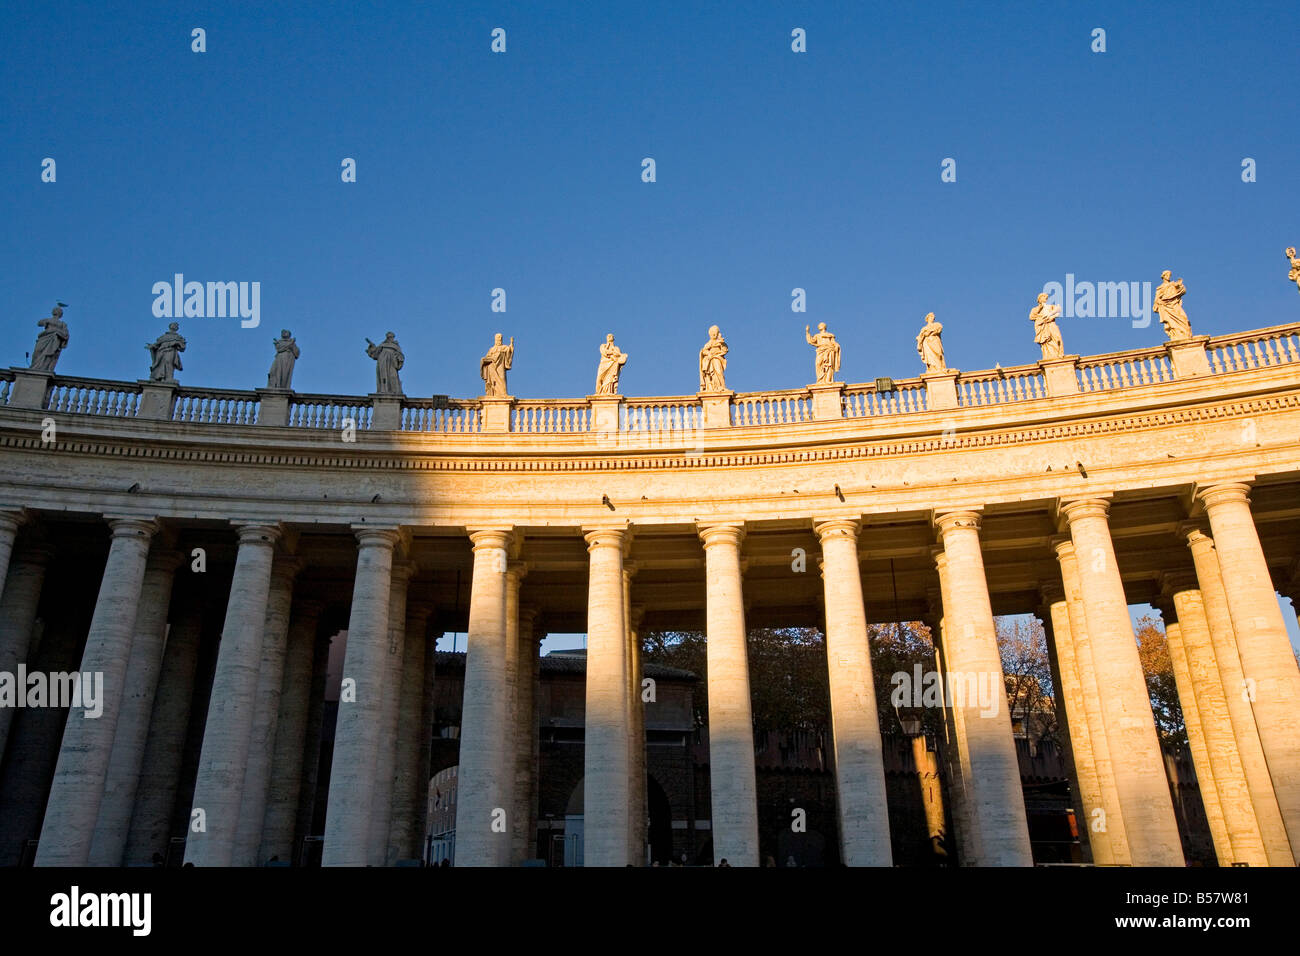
(22, 594)
(381, 801)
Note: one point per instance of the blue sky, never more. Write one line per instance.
(522, 171)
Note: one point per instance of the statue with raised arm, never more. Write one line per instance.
(389, 360)
(612, 360)
(52, 340)
(713, 362)
(1168, 303)
(492, 367)
(827, 360)
(930, 346)
(165, 355)
(286, 353)
(1294, 274)
(1046, 332)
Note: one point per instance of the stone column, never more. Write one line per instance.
(218, 787)
(360, 719)
(266, 711)
(305, 819)
(482, 836)
(290, 733)
(164, 749)
(1073, 715)
(79, 776)
(1136, 759)
(10, 522)
(109, 842)
(955, 751)
(606, 798)
(432, 634)
(732, 779)
(1108, 826)
(22, 595)
(1213, 724)
(412, 731)
(524, 834)
(855, 726)
(1268, 664)
(1268, 816)
(515, 573)
(971, 652)
(381, 803)
(637, 814)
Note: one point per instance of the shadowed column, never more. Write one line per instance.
(78, 787)
(361, 703)
(971, 651)
(1136, 759)
(218, 788)
(956, 753)
(732, 781)
(381, 804)
(1268, 664)
(855, 726)
(411, 733)
(482, 836)
(10, 522)
(524, 835)
(606, 754)
(22, 595)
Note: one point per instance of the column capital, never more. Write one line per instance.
(494, 538)
(403, 570)
(12, 519)
(516, 570)
(636, 614)
(837, 528)
(1198, 537)
(1173, 582)
(1166, 606)
(164, 559)
(132, 527)
(732, 533)
(607, 537)
(419, 611)
(377, 536)
(965, 519)
(257, 532)
(940, 558)
(1213, 494)
(528, 615)
(1095, 506)
(1052, 592)
(1063, 546)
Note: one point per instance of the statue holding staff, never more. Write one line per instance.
(493, 366)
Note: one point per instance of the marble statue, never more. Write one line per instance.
(1294, 274)
(492, 367)
(713, 363)
(1168, 303)
(52, 341)
(165, 355)
(612, 360)
(930, 346)
(286, 353)
(1046, 332)
(389, 360)
(827, 361)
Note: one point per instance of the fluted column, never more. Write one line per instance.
(1268, 662)
(732, 778)
(1136, 759)
(266, 710)
(360, 718)
(1074, 720)
(1110, 825)
(855, 726)
(408, 793)
(22, 595)
(290, 733)
(481, 791)
(381, 804)
(1241, 716)
(109, 842)
(84, 754)
(218, 788)
(10, 522)
(971, 652)
(164, 750)
(606, 756)
(1212, 723)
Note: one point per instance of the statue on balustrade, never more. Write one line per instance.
(1294, 274)
(492, 367)
(612, 360)
(286, 353)
(389, 359)
(827, 361)
(52, 341)
(1046, 332)
(930, 346)
(165, 355)
(713, 362)
(1168, 303)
